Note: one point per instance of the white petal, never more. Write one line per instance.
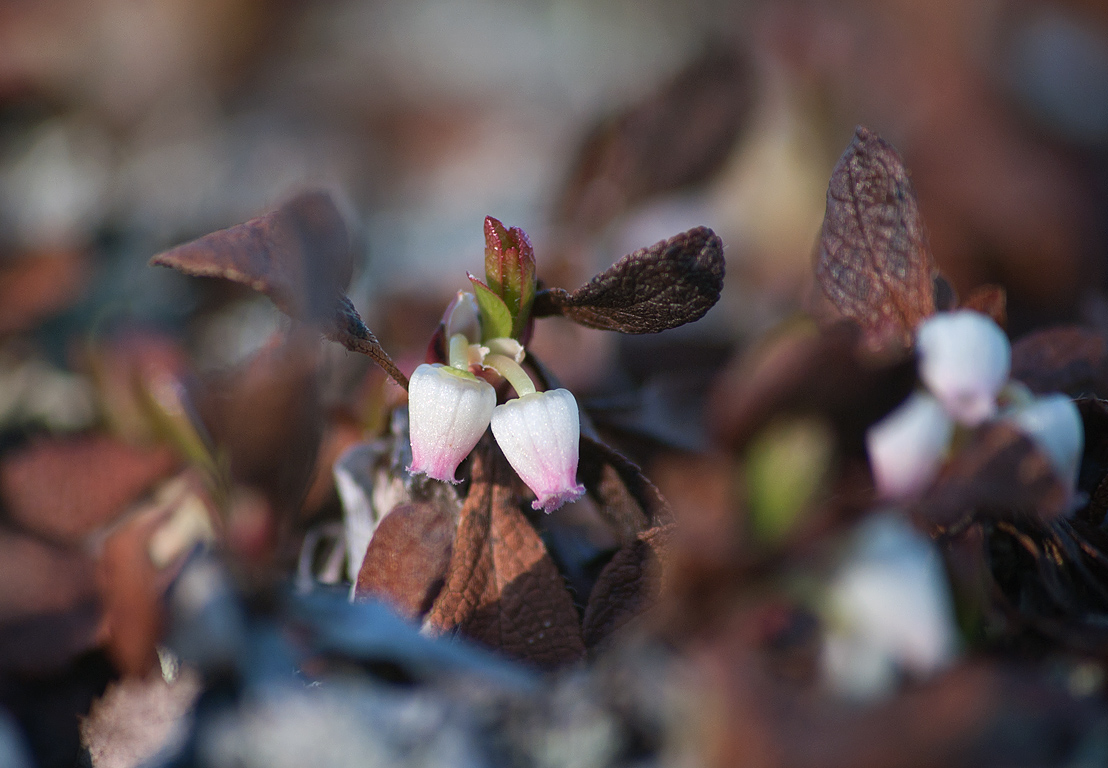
(448, 413)
(463, 316)
(907, 447)
(540, 435)
(1054, 423)
(964, 359)
(890, 601)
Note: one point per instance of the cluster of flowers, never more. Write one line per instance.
(964, 360)
(450, 407)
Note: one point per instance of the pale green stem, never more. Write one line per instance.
(459, 352)
(513, 372)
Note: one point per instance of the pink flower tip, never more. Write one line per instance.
(540, 435)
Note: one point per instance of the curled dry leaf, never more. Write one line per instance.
(65, 488)
(502, 588)
(663, 286)
(408, 557)
(630, 584)
(1068, 359)
(998, 473)
(874, 264)
(299, 256)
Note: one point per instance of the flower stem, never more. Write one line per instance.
(513, 372)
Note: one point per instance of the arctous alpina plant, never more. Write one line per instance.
(450, 406)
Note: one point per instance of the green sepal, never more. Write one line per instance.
(496, 318)
(510, 270)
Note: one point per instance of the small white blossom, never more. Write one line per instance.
(890, 607)
(1054, 423)
(964, 359)
(448, 411)
(907, 447)
(540, 434)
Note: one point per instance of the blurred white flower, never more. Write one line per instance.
(1054, 423)
(890, 608)
(964, 359)
(908, 446)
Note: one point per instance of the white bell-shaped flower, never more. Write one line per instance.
(907, 447)
(540, 434)
(1054, 423)
(964, 359)
(448, 411)
(890, 606)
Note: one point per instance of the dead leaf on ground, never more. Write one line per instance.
(630, 585)
(49, 611)
(874, 263)
(1068, 359)
(64, 488)
(998, 473)
(502, 588)
(408, 558)
(131, 588)
(33, 287)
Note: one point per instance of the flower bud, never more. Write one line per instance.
(964, 359)
(1055, 425)
(540, 434)
(907, 447)
(462, 316)
(448, 411)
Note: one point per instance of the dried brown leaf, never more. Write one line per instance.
(49, 612)
(998, 473)
(502, 589)
(677, 137)
(299, 256)
(1068, 359)
(663, 286)
(626, 499)
(629, 585)
(131, 588)
(408, 558)
(266, 415)
(35, 287)
(64, 488)
(874, 264)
